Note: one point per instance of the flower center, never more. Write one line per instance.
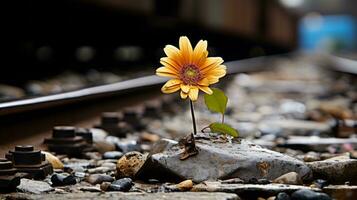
(190, 74)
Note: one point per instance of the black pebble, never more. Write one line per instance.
(123, 185)
(282, 196)
(61, 180)
(305, 194)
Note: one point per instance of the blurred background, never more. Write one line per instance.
(65, 45)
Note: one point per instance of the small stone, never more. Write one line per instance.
(99, 178)
(148, 137)
(103, 146)
(90, 189)
(291, 178)
(121, 185)
(320, 183)
(53, 160)
(128, 146)
(93, 155)
(99, 170)
(311, 156)
(232, 180)
(130, 164)
(79, 174)
(61, 180)
(282, 196)
(305, 194)
(109, 165)
(185, 185)
(258, 181)
(112, 155)
(34, 187)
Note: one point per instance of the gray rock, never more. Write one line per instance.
(217, 160)
(99, 178)
(248, 190)
(129, 196)
(34, 187)
(306, 194)
(336, 170)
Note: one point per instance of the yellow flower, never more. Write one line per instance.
(190, 69)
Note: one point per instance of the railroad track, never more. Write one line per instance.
(30, 121)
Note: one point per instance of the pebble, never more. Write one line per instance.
(121, 185)
(320, 183)
(185, 185)
(112, 155)
(282, 196)
(93, 155)
(305, 194)
(311, 156)
(291, 178)
(130, 163)
(99, 178)
(80, 174)
(109, 165)
(90, 189)
(61, 180)
(149, 137)
(34, 187)
(258, 181)
(129, 146)
(99, 170)
(53, 160)
(103, 146)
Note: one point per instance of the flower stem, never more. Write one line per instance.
(193, 118)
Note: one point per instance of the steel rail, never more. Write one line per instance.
(245, 65)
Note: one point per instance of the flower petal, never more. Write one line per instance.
(183, 95)
(205, 89)
(185, 88)
(186, 49)
(212, 79)
(171, 86)
(193, 93)
(199, 51)
(210, 63)
(218, 71)
(167, 72)
(169, 63)
(174, 54)
(203, 82)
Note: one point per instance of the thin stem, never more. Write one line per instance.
(193, 118)
(222, 118)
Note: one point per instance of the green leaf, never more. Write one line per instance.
(217, 101)
(223, 129)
